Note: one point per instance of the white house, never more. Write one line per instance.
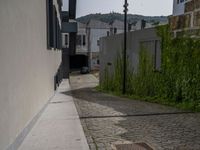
(116, 27)
(95, 30)
(82, 40)
(186, 18)
(179, 7)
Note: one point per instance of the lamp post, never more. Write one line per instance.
(125, 44)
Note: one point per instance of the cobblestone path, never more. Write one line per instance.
(107, 120)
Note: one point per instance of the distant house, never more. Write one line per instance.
(116, 27)
(89, 35)
(81, 40)
(95, 30)
(179, 7)
(186, 18)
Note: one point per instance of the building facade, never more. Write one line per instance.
(111, 48)
(30, 63)
(186, 18)
(95, 30)
(179, 7)
(81, 40)
(116, 27)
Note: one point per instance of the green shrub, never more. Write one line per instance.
(178, 82)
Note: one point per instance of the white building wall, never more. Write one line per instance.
(82, 48)
(95, 35)
(27, 68)
(178, 8)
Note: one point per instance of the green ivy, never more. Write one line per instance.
(178, 82)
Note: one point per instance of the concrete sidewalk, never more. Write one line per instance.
(59, 127)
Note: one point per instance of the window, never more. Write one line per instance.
(81, 40)
(115, 30)
(180, 1)
(50, 34)
(84, 40)
(98, 43)
(53, 27)
(108, 33)
(98, 62)
(66, 39)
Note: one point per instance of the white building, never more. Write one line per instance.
(82, 40)
(95, 30)
(179, 7)
(185, 20)
(116, 27)
(30, 56)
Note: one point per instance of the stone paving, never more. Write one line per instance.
(107, 120)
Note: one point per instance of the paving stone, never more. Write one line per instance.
(104, 121)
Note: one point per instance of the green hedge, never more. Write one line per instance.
(178, 81)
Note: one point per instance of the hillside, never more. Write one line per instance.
(117, 16)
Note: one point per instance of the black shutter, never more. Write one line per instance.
(54, 28)
(49, 7)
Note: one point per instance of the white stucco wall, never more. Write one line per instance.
(27, 68)
(95, 35)
(178, 9)
(82, 48)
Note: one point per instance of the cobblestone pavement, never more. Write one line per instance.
(107, 120)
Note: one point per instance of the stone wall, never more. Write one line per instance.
(187, 22)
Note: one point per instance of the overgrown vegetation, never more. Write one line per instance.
(176, 84)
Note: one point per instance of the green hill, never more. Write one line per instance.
(117, 16)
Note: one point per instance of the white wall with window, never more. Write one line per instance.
(81, 40)
(179, 7)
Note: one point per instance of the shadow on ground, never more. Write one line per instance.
(108, 119)
(85, 97)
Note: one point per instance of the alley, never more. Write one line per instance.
(108, 120)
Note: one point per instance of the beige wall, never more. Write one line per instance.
(27, 68)
(111, 47)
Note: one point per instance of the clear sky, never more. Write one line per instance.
(142, 7)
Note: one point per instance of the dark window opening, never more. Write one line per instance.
(108, 33)
(84, 41)
(98, 43)
(50, 34)
(53, 27)
(66, 39)
(98, 62)
(115, 30)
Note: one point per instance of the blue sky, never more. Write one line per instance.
(142, 7)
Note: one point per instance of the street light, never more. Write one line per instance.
(125, 43)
